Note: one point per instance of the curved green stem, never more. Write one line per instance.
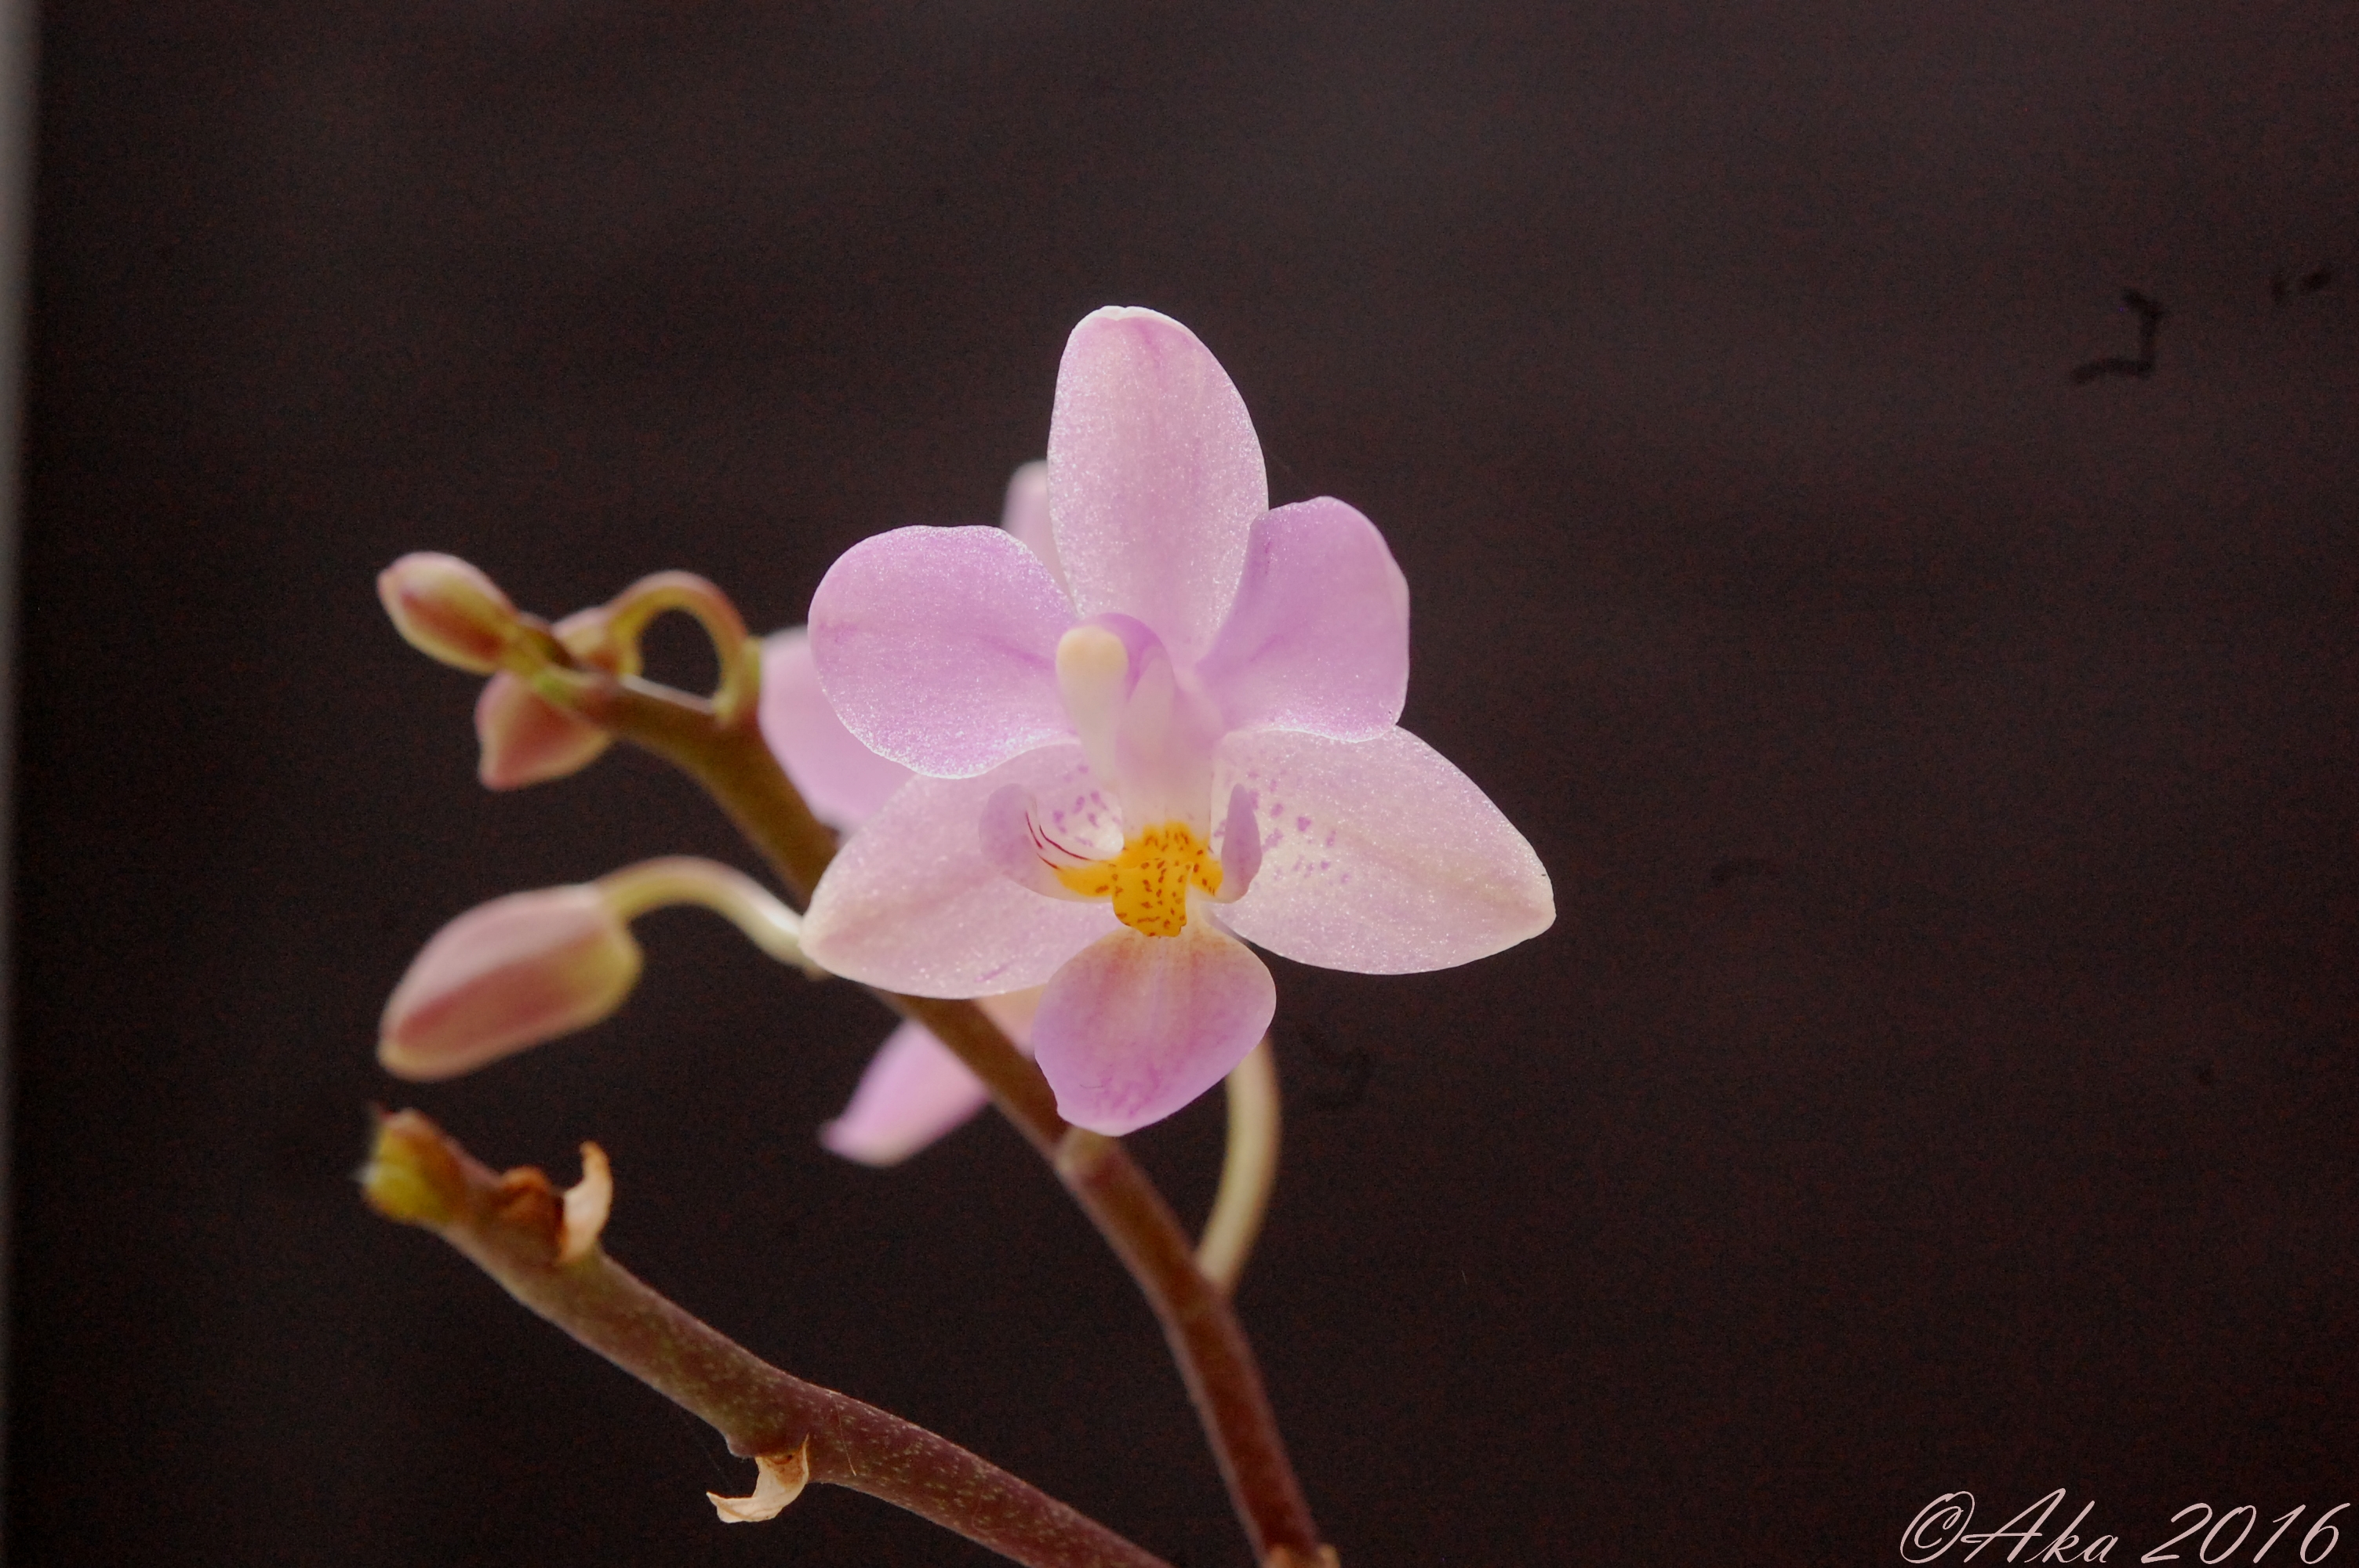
(737, 898)
(1249, 1171)
(740, 656)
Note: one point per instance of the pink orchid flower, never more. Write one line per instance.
(914, 1090)
(1188, 740)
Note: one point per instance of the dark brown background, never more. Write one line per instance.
(1706, 368)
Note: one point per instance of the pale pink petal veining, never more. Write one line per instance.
(912, 903)
(1134, 1027)
(913, 1091)
(1318, 638)
(937, 647)
(1154, 474)
(1379, 856)
(842, 780)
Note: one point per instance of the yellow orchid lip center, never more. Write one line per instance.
(1149, 882)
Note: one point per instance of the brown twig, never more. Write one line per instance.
(517, 1229)
(1215, 1359)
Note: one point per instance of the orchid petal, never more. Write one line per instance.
(913, 904)
(1026, 516)
(842, 781)
(913, 1091)
(1318, 639)
(1134, 1026)
(1155, 475)
(1379, 856)
(937, 647)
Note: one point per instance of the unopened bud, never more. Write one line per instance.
(505, 976)
(448, 609)
(527, 740)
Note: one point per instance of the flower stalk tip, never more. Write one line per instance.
(515, 1226)
(411, 1175)
(417, 1175)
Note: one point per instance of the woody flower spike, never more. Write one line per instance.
(1188, 740)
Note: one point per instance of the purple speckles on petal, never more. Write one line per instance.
(1302, 825)
(1418, 872)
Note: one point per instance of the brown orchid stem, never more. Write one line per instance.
(1216, 1362)
(515, 1228)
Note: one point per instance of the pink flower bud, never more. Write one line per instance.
(507, 975)
(528, 741)
(448, 609)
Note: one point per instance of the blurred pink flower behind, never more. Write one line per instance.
(914, 1090)
(1176, 729)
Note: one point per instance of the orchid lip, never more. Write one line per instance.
(1153, 882)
